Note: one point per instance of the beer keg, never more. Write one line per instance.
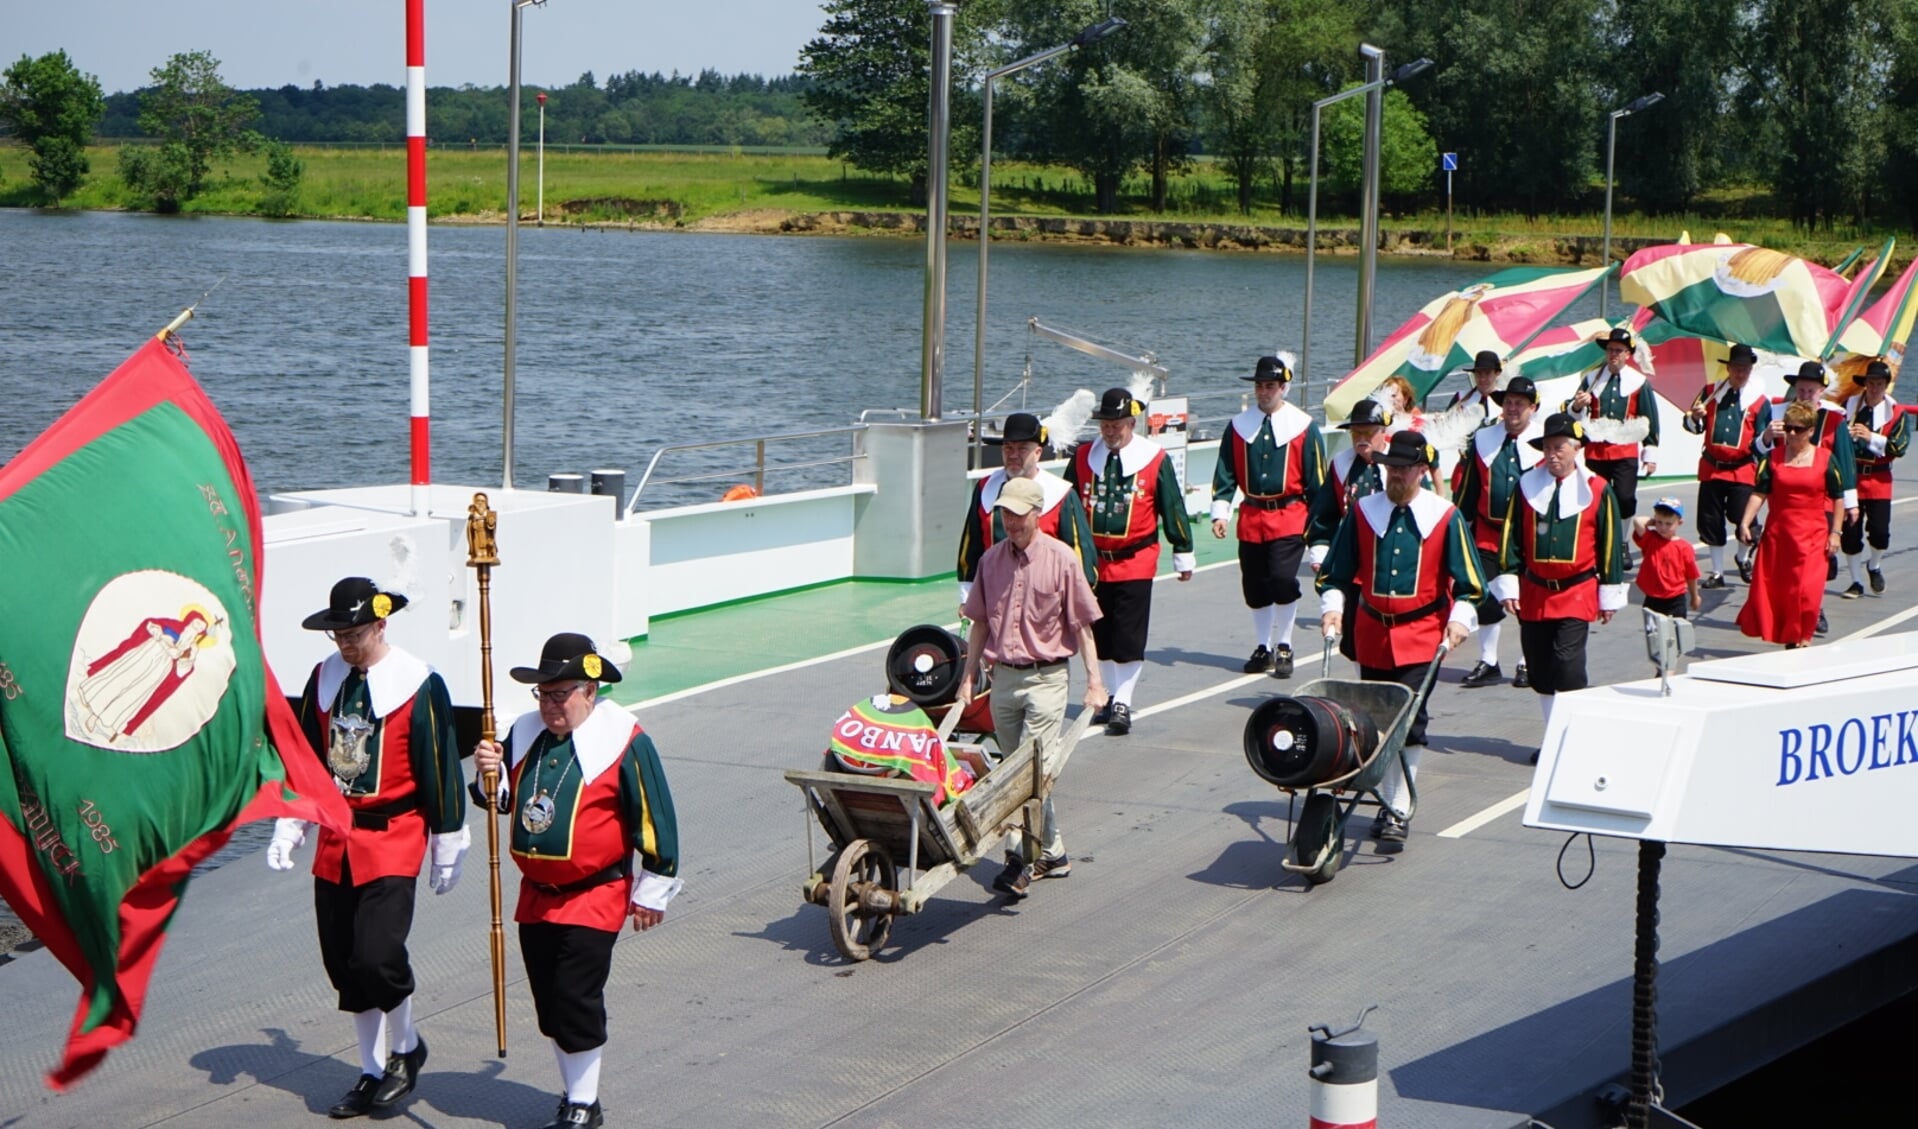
(1304, 742)
(924, 664)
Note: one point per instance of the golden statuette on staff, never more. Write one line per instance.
(482, 555)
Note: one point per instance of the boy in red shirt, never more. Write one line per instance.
(1668, 576)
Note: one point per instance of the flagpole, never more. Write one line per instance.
(173, 326)
(482, 554)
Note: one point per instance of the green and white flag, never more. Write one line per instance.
(139, 723)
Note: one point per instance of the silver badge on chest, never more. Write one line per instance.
(537, 815)
(346, 751)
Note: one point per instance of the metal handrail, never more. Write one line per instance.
(759, 465)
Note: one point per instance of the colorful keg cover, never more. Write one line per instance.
(887, 735)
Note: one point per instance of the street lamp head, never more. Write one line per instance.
(542, 97)
(1416, 66)
(1642, 102)
(1098, 31)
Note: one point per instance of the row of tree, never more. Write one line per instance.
(1815, 101)
(633, 108)
(53, 108)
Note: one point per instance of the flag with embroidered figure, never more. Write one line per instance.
(139, 722)
(1755, 296)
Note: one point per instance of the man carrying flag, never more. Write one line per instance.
(382, 721)
(1483, 394)
(139, 723)
(1618, 411)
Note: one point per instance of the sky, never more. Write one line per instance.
(266, 43)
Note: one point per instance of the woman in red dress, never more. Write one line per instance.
(1801, 486)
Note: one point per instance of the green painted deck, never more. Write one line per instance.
(694, 648)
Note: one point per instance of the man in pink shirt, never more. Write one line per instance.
(1031, 611)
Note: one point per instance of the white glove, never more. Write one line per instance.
(448, 850)
(287, 834)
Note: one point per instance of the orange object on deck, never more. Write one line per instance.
(738, 493)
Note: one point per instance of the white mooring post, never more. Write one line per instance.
(1345, 1077)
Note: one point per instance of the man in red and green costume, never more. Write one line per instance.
(1273, 452)
(1618, 410)
(1408, 555)
(1022, 445)
(1731, 416)
(382, 722)
(585, 790)
(1129, 489)
(1880, 433)
(1489, 471)
(1560, 566)
(1349, 476)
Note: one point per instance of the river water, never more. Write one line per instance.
(627, 341)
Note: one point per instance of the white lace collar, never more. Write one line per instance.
(597, 744)
(390, 683)
(1428, 511)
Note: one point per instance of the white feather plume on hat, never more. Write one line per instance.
(1068, 421)
(1606, 430)
(1452, 428)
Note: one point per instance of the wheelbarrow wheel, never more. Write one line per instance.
(856, 930)
(1318, 834)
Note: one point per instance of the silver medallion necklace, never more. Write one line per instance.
(537, 813)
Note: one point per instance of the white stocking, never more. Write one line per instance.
(1109, 676)
(1718, 557)
(1262, 620)
(400, 1033)
(1877, 556)
(580, 1071)
(1390, 787)
(1851, 566)
(1488, 643)
(370, 1026)
(1288, 615)
(1126, 679)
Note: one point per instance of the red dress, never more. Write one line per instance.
(1788, 572)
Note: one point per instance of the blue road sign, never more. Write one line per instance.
(1448, 162)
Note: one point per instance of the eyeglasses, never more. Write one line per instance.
(555, 697)
(355, 635)
(1796, 427)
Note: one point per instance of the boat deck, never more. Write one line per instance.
(1170, 980)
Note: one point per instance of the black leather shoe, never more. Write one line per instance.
(1282, 662)
(1103, 714)
(1521, 680)
(1877, 576)
(1824, 625)
(573, 1115)
(1715, 580)
(358, 1101)
(1852, 593)
(402, 1074)
(1121, 723)
(1483, 674)
(1260, 661)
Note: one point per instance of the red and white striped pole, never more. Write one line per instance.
(1345, 1079)
(422, 461)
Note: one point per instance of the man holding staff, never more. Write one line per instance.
(382, 721)
(1031, 610)
(584, 789)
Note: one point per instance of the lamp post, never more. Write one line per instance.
(1369, 202)
(932, 344)
(539, 209)
(1090, 35)
(512, 237)
(1642, 102)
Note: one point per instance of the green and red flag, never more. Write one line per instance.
(139, 722)
(1881, 331)
(1500, 313)
(1774, 302)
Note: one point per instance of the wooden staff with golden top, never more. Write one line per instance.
(482, 554)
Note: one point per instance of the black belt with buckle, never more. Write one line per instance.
(378, 817)
(1273, 503)
(1563, 582)
(1046, 665)
(1728, 464)
(1130, 550)
(599, 878)
(1393, 619)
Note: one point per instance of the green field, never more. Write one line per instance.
(688, 188)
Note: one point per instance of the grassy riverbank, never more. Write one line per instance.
(765, 191)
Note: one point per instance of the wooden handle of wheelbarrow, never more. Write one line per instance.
(482, 554)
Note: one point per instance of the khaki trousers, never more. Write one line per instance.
(1031, 703)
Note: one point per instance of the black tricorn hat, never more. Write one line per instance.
(1741, 355)
(1270, 368)
(1408, 448)
(1876, 369)
(1617, 335)
(1023, 427)
(566, 657)
(1117, 403)
(1518, 386)
(1560, 424)
(354, 602)
(1811, 370)
(1367, 413)
(1487, 360)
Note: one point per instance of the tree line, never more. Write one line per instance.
(1812, 105)
(634, 108)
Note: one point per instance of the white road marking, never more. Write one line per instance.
(1884, 624)
(1472, 823)
(1202, 695)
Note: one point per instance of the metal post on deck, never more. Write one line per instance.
(1345, 1076)
(1369, 196)
(932, 353)
(1646, 1092)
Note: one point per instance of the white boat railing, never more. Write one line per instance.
(756, 470)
